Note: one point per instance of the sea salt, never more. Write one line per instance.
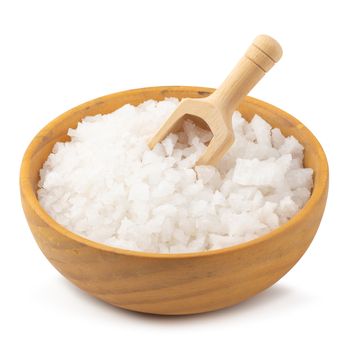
(107, 185)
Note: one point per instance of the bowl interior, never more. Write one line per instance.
(56, 130)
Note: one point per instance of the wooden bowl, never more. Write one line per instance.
(172, 284)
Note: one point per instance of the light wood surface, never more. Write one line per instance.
(172, 284)
(216, 110)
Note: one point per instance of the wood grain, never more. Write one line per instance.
(180, 283)
(215, 111)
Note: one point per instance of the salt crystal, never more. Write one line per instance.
(262, 131)
(139, 192)
(253, 172)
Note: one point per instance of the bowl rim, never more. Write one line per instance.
(32, 201)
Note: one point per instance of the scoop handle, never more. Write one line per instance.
(260, 57)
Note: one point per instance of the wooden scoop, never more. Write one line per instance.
(216, 110)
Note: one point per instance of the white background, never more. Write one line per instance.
(57, 54)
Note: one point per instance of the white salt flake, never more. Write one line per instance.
(254, 172)
(262, 131)
(169, 144)
(139, 192)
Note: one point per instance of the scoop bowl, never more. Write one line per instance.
(172, 284)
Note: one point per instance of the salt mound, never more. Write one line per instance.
(105, 184)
